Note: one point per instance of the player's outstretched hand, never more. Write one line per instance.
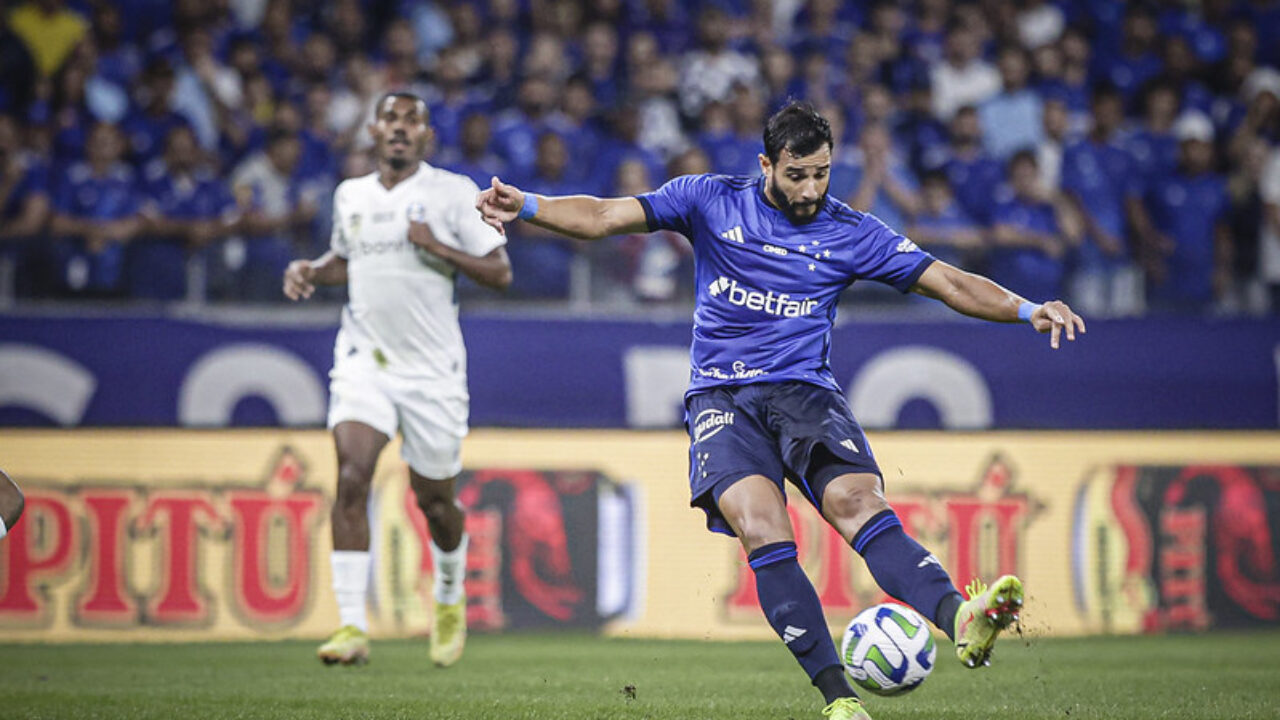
(297, 280)
(499, 203)
(1055, 317)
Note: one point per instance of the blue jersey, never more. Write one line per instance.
(767, 288)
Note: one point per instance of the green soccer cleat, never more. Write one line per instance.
(450, 633)
(846, 708)
(981, 618)
(348, 646)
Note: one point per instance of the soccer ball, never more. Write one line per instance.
(888, 649)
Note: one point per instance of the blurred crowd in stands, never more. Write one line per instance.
(1122, 155)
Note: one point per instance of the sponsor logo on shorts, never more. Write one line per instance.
(769, 302)
(709, 422)
(740, 372)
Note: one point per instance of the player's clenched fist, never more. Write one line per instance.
(500, 203)
(297, 280)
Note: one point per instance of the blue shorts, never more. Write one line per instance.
(787, 430)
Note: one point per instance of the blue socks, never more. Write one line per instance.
(907, 571)
(791, 606)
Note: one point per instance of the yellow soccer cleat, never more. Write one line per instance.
(449, 634)
(348, 646)
(981, 618)
(846, 708)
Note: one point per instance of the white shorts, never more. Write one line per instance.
(431, 417)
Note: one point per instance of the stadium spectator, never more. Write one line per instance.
(961, 78)
(622, 144)
(1029, 236)
(450, 98)
(50, 32)
(95, 215)
(546, 259)
(1050, 149)
(1269, 241)
(1193, 269)
(915, 129)
(660, 128)
(186, 207)
(473, 156)
(152, 120)
(973, 173)
(516, 131)
(600, 65)
(24, 208)
(1152, 144)
(1247, 219)
(779, 78)
(883, 183)
(1012, 119)
(712, 69)
(17, 71)
(400, 239)
(1128, 66)
(204, 89)
(1040, 23)
(274, 207)
(942, 227)
(1099, 177)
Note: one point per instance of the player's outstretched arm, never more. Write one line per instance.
(579, 216)
(302, 276)
(977, 296)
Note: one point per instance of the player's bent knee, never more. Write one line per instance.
(757, 532)
(353, 485)
(852, 503)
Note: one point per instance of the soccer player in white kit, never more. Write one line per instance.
(11, 504)
(400, 236)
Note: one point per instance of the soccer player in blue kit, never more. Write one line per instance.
(772, 255)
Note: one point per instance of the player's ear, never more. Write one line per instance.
(766, 167)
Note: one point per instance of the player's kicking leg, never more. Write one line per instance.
(854, 504)
(358, 447)
(446, 521)
(11, 504)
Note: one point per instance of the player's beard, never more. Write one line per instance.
(788, 208)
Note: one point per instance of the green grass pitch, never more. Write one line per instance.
(572, 676)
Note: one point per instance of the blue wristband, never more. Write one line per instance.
(529, 208)
(1026, 309)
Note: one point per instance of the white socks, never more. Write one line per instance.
(351, 585)
(3, 530)
(451, 571)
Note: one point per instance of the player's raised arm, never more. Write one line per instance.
(579, 216)
(979, 297)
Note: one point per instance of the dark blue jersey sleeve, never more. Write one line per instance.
(671, 206)
(888, 257)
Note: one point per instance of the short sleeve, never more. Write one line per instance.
(671, 206)
(475, 236)
(886, 256)
(338, 240)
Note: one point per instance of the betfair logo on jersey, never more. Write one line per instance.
(735, 234)
(709, 422)
(781, 304)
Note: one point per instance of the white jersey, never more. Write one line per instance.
(402, 308)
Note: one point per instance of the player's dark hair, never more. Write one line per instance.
(399, 94)
(798, 128)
